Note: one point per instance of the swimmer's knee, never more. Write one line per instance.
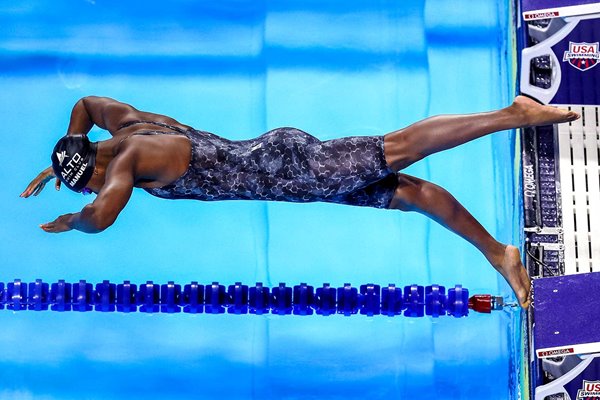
(406, 193)
(400, 205)
(412, 194)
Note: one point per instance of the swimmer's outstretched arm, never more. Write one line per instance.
(104, 210)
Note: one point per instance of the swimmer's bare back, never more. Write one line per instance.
(129, 159)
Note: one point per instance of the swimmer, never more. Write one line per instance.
(174, 161)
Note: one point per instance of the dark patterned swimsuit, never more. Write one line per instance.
(285, 164)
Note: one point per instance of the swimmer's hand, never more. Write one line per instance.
(37, 185)
(60, 224)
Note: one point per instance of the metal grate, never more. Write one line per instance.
(579, 150)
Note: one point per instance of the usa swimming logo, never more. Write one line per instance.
(590, 390)
(582, 56)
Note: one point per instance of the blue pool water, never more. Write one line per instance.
(240, 68)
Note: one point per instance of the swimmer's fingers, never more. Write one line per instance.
(38, 183)
(52, 227)
(57, 184)
(60, 224)
(47, 226)
(32, 188)
(36, 186)
(39, 188)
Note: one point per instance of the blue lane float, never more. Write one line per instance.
(370, 299)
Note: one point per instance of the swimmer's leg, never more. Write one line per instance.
(408, 145)
(414, 194)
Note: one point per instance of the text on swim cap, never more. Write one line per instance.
(68, 172)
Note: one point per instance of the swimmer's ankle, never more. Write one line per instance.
(519, 111)
(496, 255)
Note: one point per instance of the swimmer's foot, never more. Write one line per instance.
(515, 274)
(535, 114)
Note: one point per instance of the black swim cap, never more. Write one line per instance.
(73, 161)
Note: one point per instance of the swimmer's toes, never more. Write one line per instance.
(524, 291)
(535, 113)
(572, 116)
(524, 298)
(516, 275)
